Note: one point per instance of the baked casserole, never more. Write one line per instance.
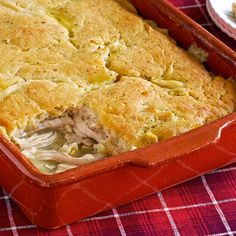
(89, 79)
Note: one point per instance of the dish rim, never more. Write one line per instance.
(23, 165)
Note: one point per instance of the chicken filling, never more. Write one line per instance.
(63, 143)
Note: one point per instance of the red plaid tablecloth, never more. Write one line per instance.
(204, 206)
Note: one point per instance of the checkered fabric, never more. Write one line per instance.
(204, 206)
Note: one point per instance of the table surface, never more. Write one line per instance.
(204, 206)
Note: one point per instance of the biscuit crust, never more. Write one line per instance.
(117, 81)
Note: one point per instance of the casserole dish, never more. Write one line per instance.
(99, 186)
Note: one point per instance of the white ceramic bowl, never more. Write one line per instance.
(221, 13)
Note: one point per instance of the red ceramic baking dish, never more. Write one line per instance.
(55, 200)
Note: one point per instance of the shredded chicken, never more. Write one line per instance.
(37, 141)
(74, 138)
(57, 122)
(64, 143)
(81, 128)
(65, 158)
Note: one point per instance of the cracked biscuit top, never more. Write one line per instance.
(81, 80)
